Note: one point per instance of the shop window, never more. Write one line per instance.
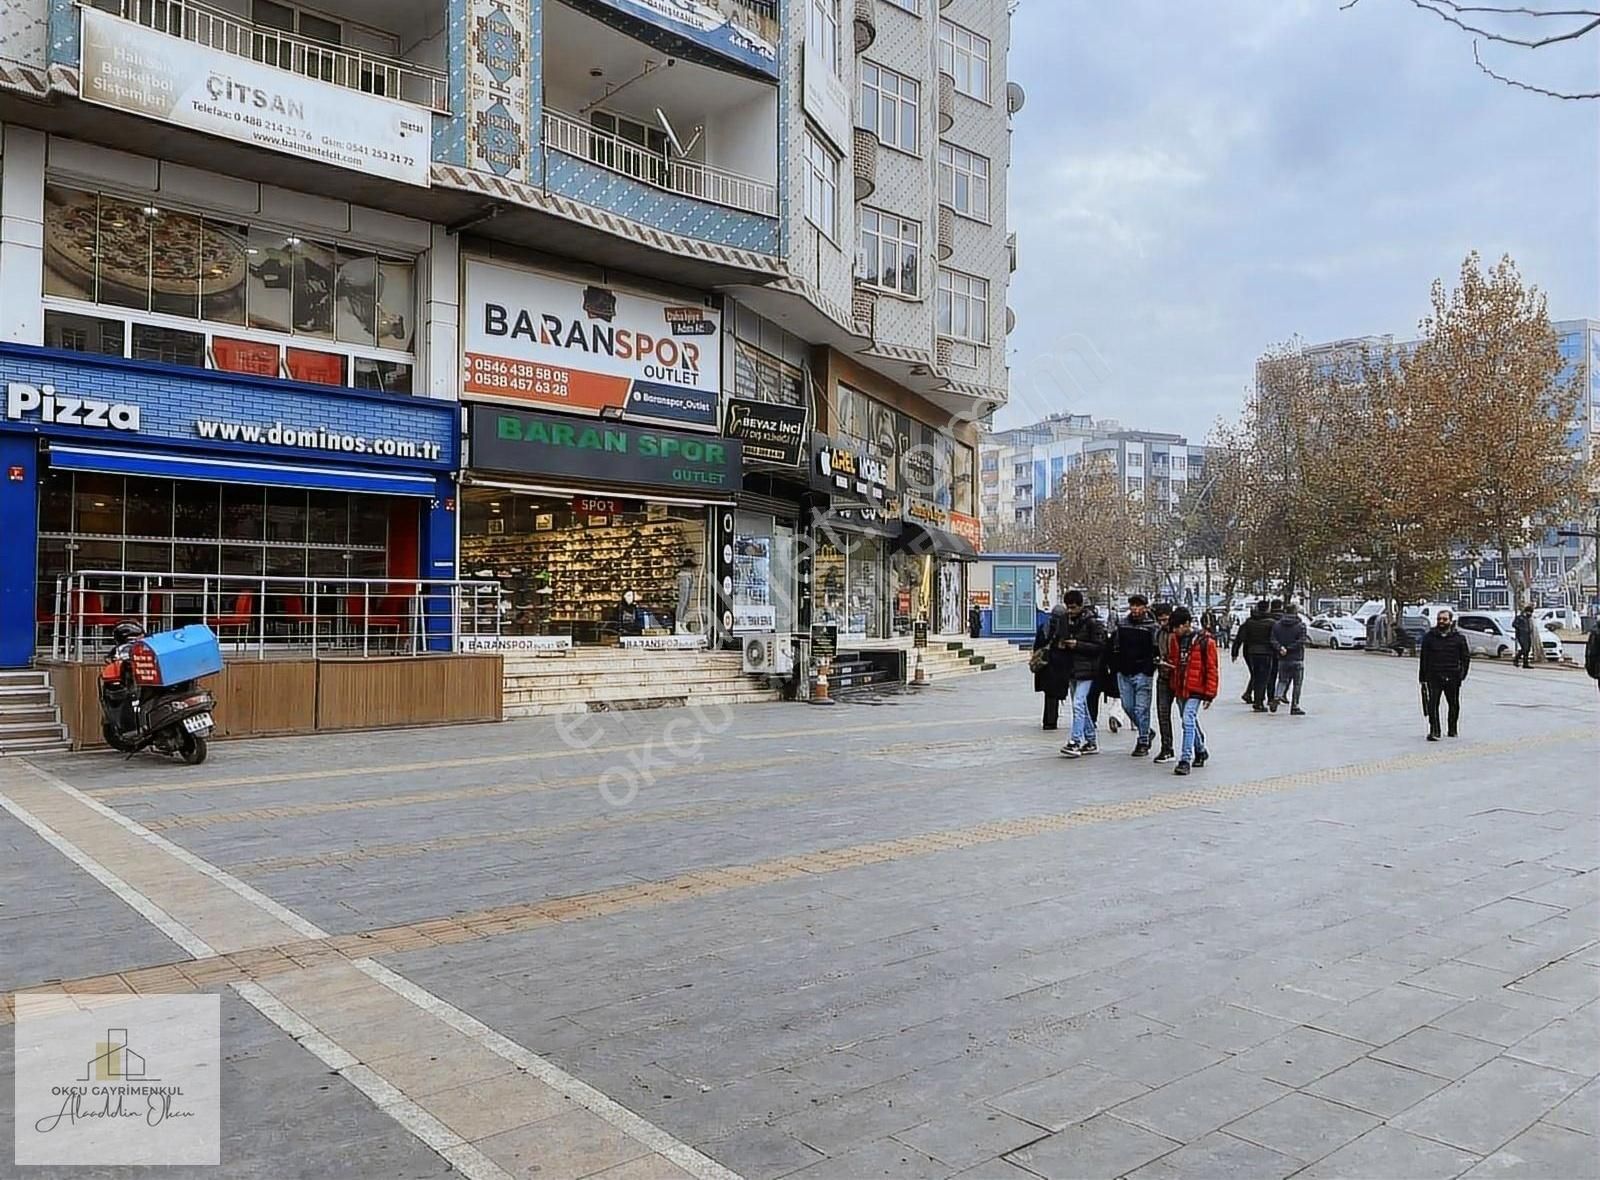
(285, 563)
(147, 556)
(243, 513)
(149, 511)
(369, 525)
(194, 510)
(189, 558)
(246, 561)
(124, 253)
(98, 504)
(286, 515)
(329, 517)
(55, 502)
(317, 368)
(98, 554)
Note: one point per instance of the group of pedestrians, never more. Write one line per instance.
(1273, 641)
(1152, 658)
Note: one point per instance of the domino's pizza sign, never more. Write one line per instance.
(44, 404)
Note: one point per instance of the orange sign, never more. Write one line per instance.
(968, 528)
(544, 385)
(979, 599)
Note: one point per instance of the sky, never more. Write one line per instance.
(1194, 182)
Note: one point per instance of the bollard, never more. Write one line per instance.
(819, 695)
(921, 677)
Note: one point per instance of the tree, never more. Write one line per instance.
(1517, 26)
(1487, 367)
(1093, 526)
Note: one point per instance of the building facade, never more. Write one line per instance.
(596, 299)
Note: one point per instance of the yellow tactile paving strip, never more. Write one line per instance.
(290, 956)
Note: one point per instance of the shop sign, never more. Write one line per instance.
(919, 633)
(979, 598)
(663, 642)
(547, 341)
(824, 641)
(848, 470)
(596, 506)
(770, 433)
(149, 72)
(43, 395)
(731, 28)
(527, 443)
(968, 528)
(513, 644)
(925, 512)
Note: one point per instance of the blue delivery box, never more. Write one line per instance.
(174, 657)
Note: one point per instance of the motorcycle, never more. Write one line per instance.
(150, 698)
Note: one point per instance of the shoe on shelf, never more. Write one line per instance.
(1088, 748)
(1181, 768)
(1200, 759)
(1297, 711)
(1141, 750)
(1070, 750)
(1165, 756)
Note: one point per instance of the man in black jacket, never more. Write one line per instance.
(1163, 694)
(1442, 669)
(1133, 658)
(1523, 628)
(1254, 638)
(1083, 637)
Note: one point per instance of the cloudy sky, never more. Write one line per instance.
(1192, 182)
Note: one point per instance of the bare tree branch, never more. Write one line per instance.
(1528, 86)
(1454, 17)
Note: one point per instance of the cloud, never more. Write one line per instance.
(1193, 183)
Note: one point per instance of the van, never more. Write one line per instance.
(1559, 618)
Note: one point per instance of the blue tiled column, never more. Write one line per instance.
(19, 547)
(437, 550)
(65, 27)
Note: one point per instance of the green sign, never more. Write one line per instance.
(526, 443)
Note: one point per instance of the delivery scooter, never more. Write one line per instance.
(150, 698)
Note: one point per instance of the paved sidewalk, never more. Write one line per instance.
(895, 940)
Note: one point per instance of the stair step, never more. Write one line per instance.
(17, 676)
(27, 713)
(14, 695)
(34, 746)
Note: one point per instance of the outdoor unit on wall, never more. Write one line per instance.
(765, 656)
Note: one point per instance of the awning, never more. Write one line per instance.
(172, 465)
(643, 495)
(924, 538)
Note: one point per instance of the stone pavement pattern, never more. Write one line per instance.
(903, 940)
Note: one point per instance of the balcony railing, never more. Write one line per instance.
(266, 616)
(353, 69)
(688, 178)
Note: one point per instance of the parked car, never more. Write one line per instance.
(1494, 634)
(1336, 631)
(1559, 618)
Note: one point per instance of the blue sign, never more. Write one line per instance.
(131, 404)
(730, 28)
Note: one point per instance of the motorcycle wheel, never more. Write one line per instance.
(113, 738)
(193, 750)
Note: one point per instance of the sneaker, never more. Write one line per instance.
(1433, 737)
(1200, 759)
(1245, 698)
(1070, 750)
(1088, 748)
(1165, 756)
(1141, 750)
(1274, 705)
(1181, 768)
(1297, 711)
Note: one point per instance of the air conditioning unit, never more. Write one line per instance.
(765, 655)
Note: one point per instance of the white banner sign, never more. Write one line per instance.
(546, 341)
(132, 68)
(513, 644)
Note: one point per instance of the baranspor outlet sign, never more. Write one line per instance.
(547, 341)
(148, 72)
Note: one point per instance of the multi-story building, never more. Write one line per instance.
(701, 272)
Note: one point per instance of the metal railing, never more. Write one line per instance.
(268, 616)
(690, 178)
(354, 69)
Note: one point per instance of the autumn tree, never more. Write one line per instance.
(1487, 370)
(1094, 527)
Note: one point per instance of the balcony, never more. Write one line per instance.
(659, 169)
(338, 64)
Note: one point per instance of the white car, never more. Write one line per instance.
(1558, 618)
(1494, 634)
(1336, 631)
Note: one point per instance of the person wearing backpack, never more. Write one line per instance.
(1196, 678)
(1051, 666)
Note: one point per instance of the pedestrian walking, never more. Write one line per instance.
(1051, 666)
(1442, 666)
(1274, 612)
(1163, 686)
(1289, 641)
(1196, 679)
(1591, 655)
(1523, 627)
(1254, 639)
(1133, 657)
(1208, 620)
(1083, 637)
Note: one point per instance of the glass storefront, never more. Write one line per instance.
(566, 563)
(849, 579)
(764, 588)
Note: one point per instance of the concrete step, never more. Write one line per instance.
(20, 746)
(558, 708)
(560, 677)
(20, 695)
(23, 677)
(22, 714)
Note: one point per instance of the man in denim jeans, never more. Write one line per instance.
(1083, 638)
(1195, 680)
(1133, 656)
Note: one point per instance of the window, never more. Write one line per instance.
(963, 306)
(822, 185)
(964, 181)
(891, 251)
(168, 278)
(889, 105)
(822, 31)
(965, 56)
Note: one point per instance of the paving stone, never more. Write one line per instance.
(1569, 980)
(1220, 1156)
(1190, 1107)
(1155, 1059)
(1377, 1087)
(1299, 1056)
(965, 1138)
(1581, 1112)
(567, 1147)
(1489, 1106)
(1436, 1051)
(1100, 1149)
(1302, 1126)
(1383, 1015)
(1466, 980)
(884, 1157)
(995, 1170)
(1540, 1153)
(1232, 1029)
(1068, 1097)
(1513, 1017)
(1386, 1151)
(1571, 1043)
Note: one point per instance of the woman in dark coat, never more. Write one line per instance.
(1055, 678)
